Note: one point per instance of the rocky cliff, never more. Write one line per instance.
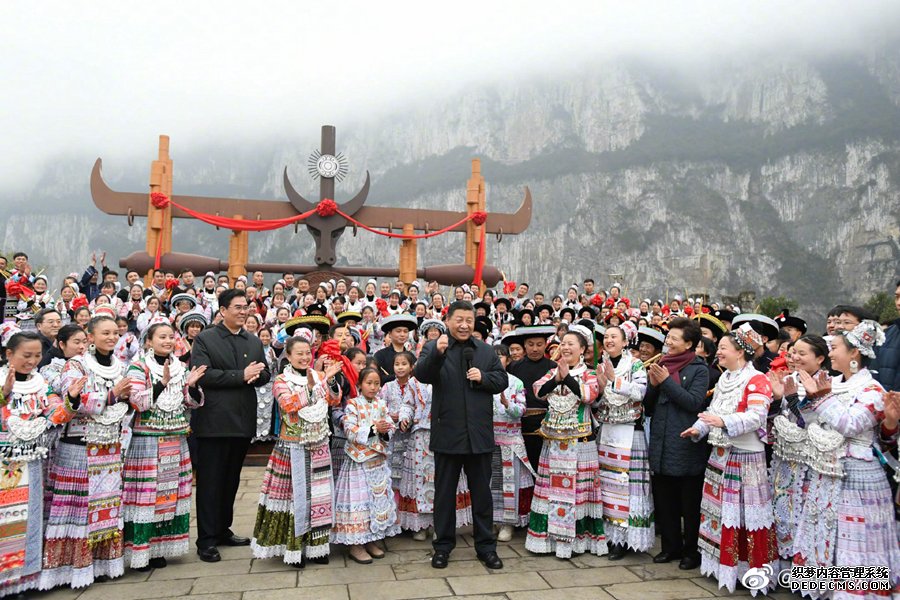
(778, 176)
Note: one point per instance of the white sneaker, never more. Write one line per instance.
(506, 533)
(421, 535)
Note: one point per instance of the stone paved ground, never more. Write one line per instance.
(404, 573)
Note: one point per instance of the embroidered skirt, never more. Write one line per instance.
(21, 537)
(83, 536)
(567, 509)
(364, 507)
(849, 521)
(512, 485)
(297, 482)
(789, 480)
(627, 499)
(415, 498)
(736, 516)
(156, 499)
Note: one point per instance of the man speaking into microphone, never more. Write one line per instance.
(465, 373)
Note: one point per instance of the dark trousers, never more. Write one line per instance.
(677, 499)
(218, 478)
(446, 480)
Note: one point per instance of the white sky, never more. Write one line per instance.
(98, 77)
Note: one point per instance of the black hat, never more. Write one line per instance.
(484, 326)
(726, 316)
(590, 310)
(192, 317)
(761, 324)
(652, 336)
(400, 320)
(520, 334)
(546, 307)
(569, 310)
(786, 319)
(318, 323)
(317, 308)
(505, 301)
(349, 315)
(484, 305)
(715, 325)
(525, 311)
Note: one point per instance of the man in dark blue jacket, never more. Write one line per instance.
(887, 357)
(465, 373)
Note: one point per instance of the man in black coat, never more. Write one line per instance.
(465, 373)
(235, 366)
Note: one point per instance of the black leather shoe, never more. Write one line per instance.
(210, 554)
(158, 563)
(235, 540)
(665, 557)
(491, 560)
(301, 564)
(616, 552)
(320, 560)
(440, 559)
(689, 563)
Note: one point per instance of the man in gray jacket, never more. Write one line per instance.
(465, 373)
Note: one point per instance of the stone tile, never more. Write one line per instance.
(61, 593)
(272, 565)
(581, 593)
(193, 570)
(496, 582)
(652, 571)
(405, 557)
(353, 574)
(534, 563)
(223, 596)
(711, 586)
(130, 576)
(323, 592)
(586, 577)
(463, 568)
(399, 590)
(590, 561)
(669, 589)
(138, 591)
(405, 542)
(241, 583)
(476, 597)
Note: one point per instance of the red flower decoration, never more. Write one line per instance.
(381, 305)
(509, 287)
(171, 284)
(479, 217)
(159, 200)
(326, 208)
(627, 302)
(80, 301)
(17, 290)
(596, 301)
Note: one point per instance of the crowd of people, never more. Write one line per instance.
(593, 422)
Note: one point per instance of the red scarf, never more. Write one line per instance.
(332, 350)
(674, 363)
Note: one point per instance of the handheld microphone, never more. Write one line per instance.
(469, 356)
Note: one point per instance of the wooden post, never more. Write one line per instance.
(475, 202)
(238, 253)
(159, 221)
(408, 258)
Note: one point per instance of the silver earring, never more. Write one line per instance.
(92, 349)
(854, 366)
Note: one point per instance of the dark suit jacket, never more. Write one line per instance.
(462, 415)
(229, 408)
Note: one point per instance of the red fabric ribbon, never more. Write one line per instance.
(509, 287)
(331, 349)
(381, 305)
(18, 290)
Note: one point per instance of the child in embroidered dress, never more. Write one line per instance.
(295, 504)
(364, 507)
(512, 479)
(157, 479)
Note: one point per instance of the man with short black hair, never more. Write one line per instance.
(235, 367)
(465, 373)
(48, 322)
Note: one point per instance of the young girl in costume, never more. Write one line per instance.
(295, 504)
(28, 409)
(512, 479)
(364, 508)
(83, 536)
(157, 480)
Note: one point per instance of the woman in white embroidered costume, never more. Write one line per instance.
(415, 490)
(364, 507)
(71, 341)
(736, 515)
(294, 517)
(28, 409)
(567, 509)
(790, 470)
(157, 478)
(396, 394)
(622, 446)
(848, 514)
(83, 537)
(512, 478)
